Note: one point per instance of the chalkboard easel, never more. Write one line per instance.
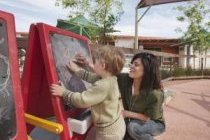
(12, 120)
(49, 50)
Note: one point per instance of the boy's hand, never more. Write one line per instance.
(73, 67)
(57, 90)
(81, 59)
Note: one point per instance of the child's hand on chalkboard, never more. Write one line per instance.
(73, 67)
(57, 90)
(81, 59)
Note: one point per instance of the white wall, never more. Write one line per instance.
(182, 61)
(127, 43)
(207, 60)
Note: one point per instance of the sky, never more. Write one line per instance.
(160, 21)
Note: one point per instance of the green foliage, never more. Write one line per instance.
(165, 74)
(197, 32)
(178, 72)
(104, 13)
(206, 72)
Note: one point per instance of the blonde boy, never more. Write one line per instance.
(103, 97)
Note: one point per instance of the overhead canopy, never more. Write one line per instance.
(79, 25)
(145, 3)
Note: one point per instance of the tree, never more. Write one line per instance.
(196, 36)
(104, 13)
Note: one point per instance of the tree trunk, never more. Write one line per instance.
(202, 66)
(194, 59)
(205, 59)
(188, 57)
(103, 34)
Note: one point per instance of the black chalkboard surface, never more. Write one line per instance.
(7, 108)
(64, 49)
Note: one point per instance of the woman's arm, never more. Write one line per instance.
(133, 115)
(153, 109)
(121, 103)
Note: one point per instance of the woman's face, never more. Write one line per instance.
(136, 69)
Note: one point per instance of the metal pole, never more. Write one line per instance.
(136, 25)
(136, 29)
(144, 13)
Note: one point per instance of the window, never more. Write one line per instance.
(167, 59)
(111, 43)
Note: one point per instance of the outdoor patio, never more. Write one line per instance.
(187, 115)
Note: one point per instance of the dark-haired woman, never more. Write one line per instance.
(142, 97)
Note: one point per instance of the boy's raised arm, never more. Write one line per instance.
(87, 76)
(83, 74)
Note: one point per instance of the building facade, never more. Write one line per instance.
(176, 54)
(164, 45)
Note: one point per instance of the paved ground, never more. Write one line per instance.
(188, 114)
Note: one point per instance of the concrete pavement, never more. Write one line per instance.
(188, 113)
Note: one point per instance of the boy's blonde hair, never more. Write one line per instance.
(112, 57)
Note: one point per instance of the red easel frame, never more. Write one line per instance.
(15, 76)
(40, 72)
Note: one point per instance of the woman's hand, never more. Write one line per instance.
(73, 67)
(134, 115)
(57, 90)
(126, 114)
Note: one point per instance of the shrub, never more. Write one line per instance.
(165, 74)
(177, 72)
(206, 72)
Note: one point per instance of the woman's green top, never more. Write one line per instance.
(149, 103)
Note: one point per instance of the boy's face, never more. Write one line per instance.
(99, 67)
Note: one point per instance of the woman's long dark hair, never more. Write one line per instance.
(151, 78)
